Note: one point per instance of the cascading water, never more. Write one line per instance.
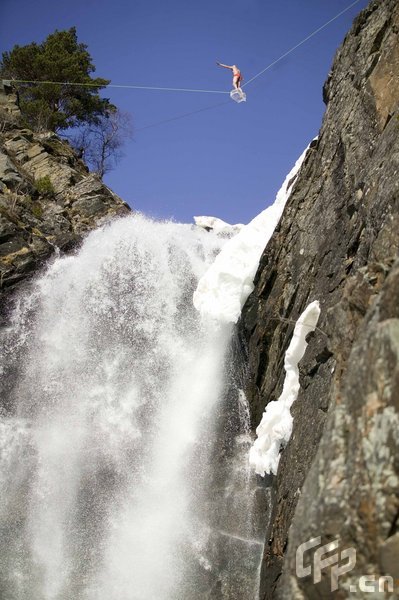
(113, 391)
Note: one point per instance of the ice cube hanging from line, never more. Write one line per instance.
(238, 95)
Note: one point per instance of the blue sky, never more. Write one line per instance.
(227, 161)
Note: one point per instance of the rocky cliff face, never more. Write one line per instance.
(48, 200)
(337, 242)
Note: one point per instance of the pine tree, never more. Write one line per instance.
(60, 105)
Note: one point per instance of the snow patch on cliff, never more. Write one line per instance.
(275, 428)
(223, 290)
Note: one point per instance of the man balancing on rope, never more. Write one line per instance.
(237, 77)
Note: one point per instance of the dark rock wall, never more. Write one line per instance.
(48, 199)
(337, 242)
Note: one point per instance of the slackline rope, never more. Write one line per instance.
(255, 76)
(167, 89)
(114, 85)
(183, 116)
(301, 42)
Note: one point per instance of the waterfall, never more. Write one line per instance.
(113, 396)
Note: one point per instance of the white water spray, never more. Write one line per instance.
(112, 380)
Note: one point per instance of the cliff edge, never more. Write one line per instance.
(48, 199)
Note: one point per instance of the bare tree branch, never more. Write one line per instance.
(100, 144)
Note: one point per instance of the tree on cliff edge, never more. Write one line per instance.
(56, 106)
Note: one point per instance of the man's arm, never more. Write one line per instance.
(225, 66)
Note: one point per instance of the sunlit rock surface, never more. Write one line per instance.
(48, 200)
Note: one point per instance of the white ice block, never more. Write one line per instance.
(238, 95)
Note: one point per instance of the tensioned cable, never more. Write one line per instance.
(169, 89)
(115, 85)
(300, 43)
(255, 76)
(194, 112)
(141, 87)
